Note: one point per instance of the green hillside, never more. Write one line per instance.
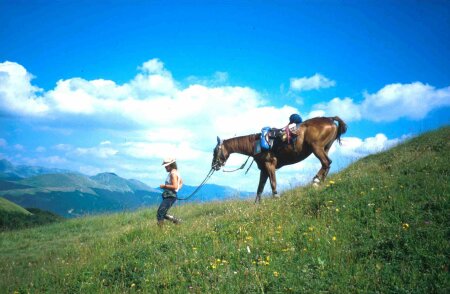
(7, 206)
(15, 217)
(379, 226)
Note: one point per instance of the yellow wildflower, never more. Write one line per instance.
(275, 274)
(332, 182)
(405, 226)
(334, 238)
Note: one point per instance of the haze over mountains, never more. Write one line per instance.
(72, 194)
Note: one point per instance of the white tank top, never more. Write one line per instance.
(169, 179)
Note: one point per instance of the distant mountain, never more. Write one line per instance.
(63, 181)
(116, 183)
(11, 172)
(72, 194)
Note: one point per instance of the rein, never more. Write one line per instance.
(242, 166)
(201, 185)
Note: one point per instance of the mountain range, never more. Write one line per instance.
(71, 194)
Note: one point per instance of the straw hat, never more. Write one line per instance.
(168, 161)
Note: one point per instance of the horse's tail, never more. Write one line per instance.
(342, 128)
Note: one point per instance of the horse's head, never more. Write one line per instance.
(220, 155)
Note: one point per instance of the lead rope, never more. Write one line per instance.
(201, 185)
(250, 166)
(242, 166)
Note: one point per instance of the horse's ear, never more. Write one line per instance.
(218, 140)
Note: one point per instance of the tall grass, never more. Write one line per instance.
(381, 225)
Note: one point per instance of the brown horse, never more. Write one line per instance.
(314, 135)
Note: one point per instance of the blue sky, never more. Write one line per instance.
(96, 86)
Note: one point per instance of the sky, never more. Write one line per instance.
(116, 86)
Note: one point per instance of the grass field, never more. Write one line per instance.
(10, 207)
(381, 225)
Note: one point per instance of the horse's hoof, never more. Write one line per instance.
(315, 185)
(276, 196)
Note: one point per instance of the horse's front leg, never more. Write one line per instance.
(262, 182)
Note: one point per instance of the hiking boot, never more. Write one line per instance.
(172, 219)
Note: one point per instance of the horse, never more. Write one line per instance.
(315, 135)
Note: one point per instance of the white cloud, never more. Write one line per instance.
(156, 150)
(314, 82)
(412, 101)
(100, 152)
(55, 160)
(392, 102)
(164, 118)
(17, 95)
(40, 149)
(90, 170)
(356, 148)
(344, 108)
(218, 78)
(150, 100)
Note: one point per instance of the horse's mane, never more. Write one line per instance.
(242, 143)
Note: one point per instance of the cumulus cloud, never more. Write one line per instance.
(392, 102)
(41, 149)
(100, 152)
(356, 148)
(63, 147)
(344, 108)
(151, 98)
(218, 79)
(412, 101)
(314, 82)
(152, 116)
(17, 94)
(19, 147)
(181, 150)
(166, 118)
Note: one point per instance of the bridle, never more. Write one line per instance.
(219, 159)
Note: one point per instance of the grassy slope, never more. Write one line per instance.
(381, 225)
(10, 207)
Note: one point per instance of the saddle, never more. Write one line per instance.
(271, 137)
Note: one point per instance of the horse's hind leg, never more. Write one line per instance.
(327, 148)
(320, 153)
(262, 182)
